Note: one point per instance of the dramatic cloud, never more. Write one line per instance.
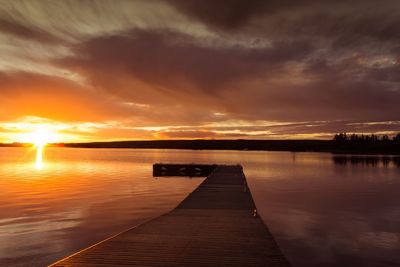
(202, 69)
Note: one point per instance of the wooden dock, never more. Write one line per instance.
(216, 225)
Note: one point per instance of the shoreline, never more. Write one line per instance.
(328, 146)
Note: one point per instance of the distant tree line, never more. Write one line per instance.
(361, 138)
(342, 143)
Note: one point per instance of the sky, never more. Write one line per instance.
(184, 69)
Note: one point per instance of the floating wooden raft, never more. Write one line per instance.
(191, 170)
(216, 225)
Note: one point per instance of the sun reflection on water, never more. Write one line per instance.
(39, 157)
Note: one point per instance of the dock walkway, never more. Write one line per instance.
(214, 226)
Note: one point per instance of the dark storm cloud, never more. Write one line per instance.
(342, 20)
(292, 62)
(171, 59)
(387, 74)
(232, 14)
(26, 32)
(225, 14)
(328, 99)
(151, 66)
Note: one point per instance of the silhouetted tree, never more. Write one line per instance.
(385, 138)
(372, 138)
(354, 137)
(340, 137)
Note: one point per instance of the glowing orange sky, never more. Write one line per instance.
(117, 70)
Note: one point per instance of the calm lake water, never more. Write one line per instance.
(323, 210)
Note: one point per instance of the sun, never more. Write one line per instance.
(41, 136)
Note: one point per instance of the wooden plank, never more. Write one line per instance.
(213, 226)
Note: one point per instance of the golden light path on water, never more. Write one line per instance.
(39, 157)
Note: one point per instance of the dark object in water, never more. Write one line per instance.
(191, 170)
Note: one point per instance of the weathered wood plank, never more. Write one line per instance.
(214, 226)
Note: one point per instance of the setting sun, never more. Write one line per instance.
(41, 136)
